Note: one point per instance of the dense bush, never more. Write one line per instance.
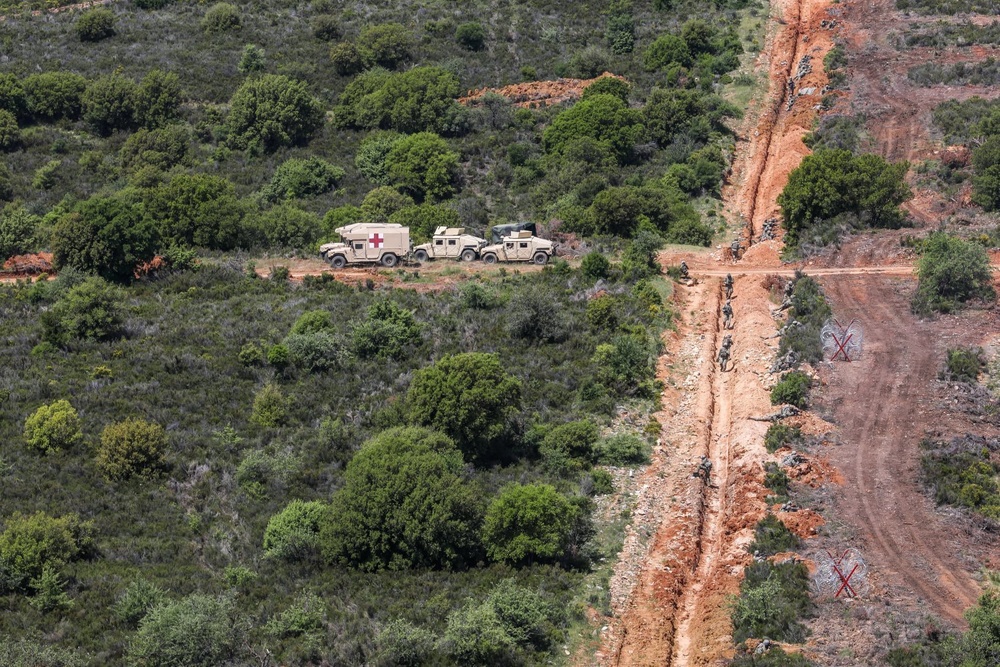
(325, 27)
(771, 536)
(423, 166)
(832, 190)
(528, 523)
(28, 652)
(10, 133)
(104, 235)
(964, 364)
(13, 98)
(604, 118)
(621, 450)
(270, 111)
(196, 630)
(776, 480)
(386, 333)
(270, 407)
(475, 636)
(381, 203)
(626, 363)
(811, 311)
(17, 231)
(161, 149)
(137, 600)
(221, 17)
(470, 397)
(781, 435)
(404, 504)
(132, 448)
(30, 544)
(91, 310)
(297, 178)
(963, 474)
(293, 533)
(53, 427)
(773, 602)
(371, 158)
(595, 265)
(387, 45)
(421, 99)
(951, 272)
(472, 36)
(109, 103)
(793, 389)
(978, 73)
(55, 95)
(664, 51)
(402, 644)
(95, 25)
(569, 446)
(197, 210)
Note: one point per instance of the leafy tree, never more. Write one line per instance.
(980, 645)
(471, 36)
(403, 504)
(986, 188)
(157, 99)
(371, 158)
(475, 635)
(104, 235)
(419, 100)
(131, 448)
(270, 407)
(109, 103)
(622, 210)
(221, 17)
(197, 210)
(831, 184)
(605, 118)
(325, 27)
(10, 133)
(272, 111)
(313, 321)
(595, 265)
(53, 427)
(386, 332)
(469, 397)
(17, 230)
(341, 216)
(672, 113)
(137, 600)
(665, 51)
(423, 165)
(528, 523)
(608, 85)
(303, 177)
(424, 219)
(252, 60)
(293, 533)
(620, 32)
(346, 58)
(191, 632)
(951, 272)
(95, 25)
(286, 226)
(31, 543)
(12, 97)
(55, 95)
(625, 363)
(91, 310)
(381, 203)
(162, 148)
(386, 45)
(569, 446)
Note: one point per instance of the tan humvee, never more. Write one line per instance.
(519, 247)
(451, 242)
(368, 243)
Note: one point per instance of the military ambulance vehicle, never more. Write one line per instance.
(451, 242)
(518, 247)
(368, 243)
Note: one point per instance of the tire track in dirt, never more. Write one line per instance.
(883, 406)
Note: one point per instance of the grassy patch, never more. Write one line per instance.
(964, 473)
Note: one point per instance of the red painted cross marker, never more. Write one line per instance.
(845, 579)
(375, 241)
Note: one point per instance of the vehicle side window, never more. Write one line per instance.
(510, 246)
(452, 241)
(359, 246)
(439, 243)
(524, 245)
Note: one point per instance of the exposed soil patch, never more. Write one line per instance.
(537, 93)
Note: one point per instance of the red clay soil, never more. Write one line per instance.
(538, 93)
(26, 266)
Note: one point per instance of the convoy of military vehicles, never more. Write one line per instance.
(389, 244)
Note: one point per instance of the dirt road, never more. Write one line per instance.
(883, 405)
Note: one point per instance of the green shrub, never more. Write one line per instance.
(964, 364)
(194, 631)
(402, 644)
(620, 33)
(17, 231)
(621, 450)
(286, 226)
(386, 45)
(569, 445)
(601, 482)
(421, 99)
(45, 177)
(403, 504)
(387, 331)
(252, 60)
(811, 310)
(528, 524)
(138, 598)
(477, 296)
(293, 533)
(372, 155)
(776, 479)
(270, 407)
(199, 210)
(107, 236)
(471, 36)
(49, 591)
(28, 652)
(10, 133)
(793, 389)
(381, 203)
(279, 356)
(53, 427)
(303, 617)
(595, 265)
(773, 602)
(313, 321)
(221, 17)
(13, 98)
(95, 25)
(346, 58)
(771, 536)
(524, 614)
(469, 397)
(423, 166)
(157, 99)
(626, 363)
(161, 148)
(951, 272)
(665, 51)
(302, 177)
(92, 310)
(109, 103)
(781, 435)
(237, 576)
(964, 476)
(325, 27)
(605, 118)
(131, 448)
(476, 636)
(31, 543)
(271, 111)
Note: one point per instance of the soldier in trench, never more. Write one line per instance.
(728, 285)
(727, 315)
(723, 358)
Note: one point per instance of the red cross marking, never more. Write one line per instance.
(375, 240)
(847, 582)
(841, 344)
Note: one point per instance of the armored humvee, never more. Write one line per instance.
(450, 242)
(368, 243)
(519, 247)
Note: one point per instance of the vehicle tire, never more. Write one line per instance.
(468, 255)
(338, 261)
(490, 258)
(540, 258)
(389, 260)
(421, 256)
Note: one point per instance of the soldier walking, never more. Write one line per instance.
(684, 271)
(734, 249)
(723, 358)
(727, 315)
(728, 284)
(704, 470)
